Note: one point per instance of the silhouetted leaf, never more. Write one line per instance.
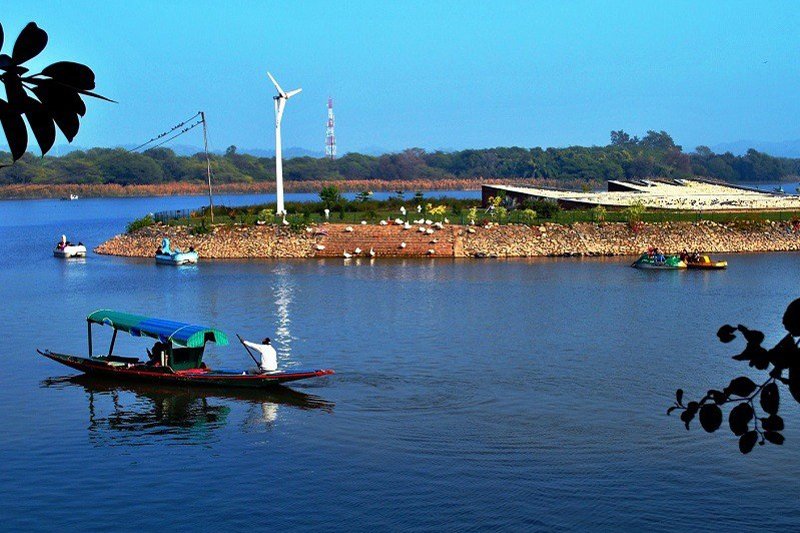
(784, 352)
(741, 386)
(56, 96)
(42, 125)
(752, 336)
(747, 441)
(679, 396)
(72, 74)
(687, 416)
(669, 411)
(770, 398)
(29, 44)
(725, 333)
(791, 318)
(794, 381)
(718, 396)
(1, 36)
(15, 93)
(774, 437)
(739, 418)
(67, 122)
(14, 128)
(710, 417)
(772, 423)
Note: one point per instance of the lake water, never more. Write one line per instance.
(514, 395)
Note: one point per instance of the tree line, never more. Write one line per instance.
(625, 157)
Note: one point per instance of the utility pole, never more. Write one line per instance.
(208, 165)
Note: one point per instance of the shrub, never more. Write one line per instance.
(599, 213)
(140, 223)
(527, 216)
(633, 213)
(266, 215)
(472, 214)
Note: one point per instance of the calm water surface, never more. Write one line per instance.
(515, 395)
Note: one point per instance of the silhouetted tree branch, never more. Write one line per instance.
(48, 99)
(767, 427)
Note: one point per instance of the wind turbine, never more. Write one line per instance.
(280, 103)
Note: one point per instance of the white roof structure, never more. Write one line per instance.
(673, 195)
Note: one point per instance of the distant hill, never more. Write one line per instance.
(774, 148)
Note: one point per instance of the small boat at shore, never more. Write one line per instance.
(66, 250)
(655, 262)
(178, 358)
(165, 256)
(704, 262)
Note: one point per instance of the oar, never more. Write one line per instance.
(258, 365)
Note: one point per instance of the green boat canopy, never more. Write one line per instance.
(188, 335)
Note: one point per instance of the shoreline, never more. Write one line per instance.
(500, 241)
(30, 191)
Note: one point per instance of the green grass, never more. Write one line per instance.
(353, 212)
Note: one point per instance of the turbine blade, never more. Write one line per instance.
(275, 83)
(292, 93)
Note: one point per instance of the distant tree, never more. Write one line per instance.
(704, 152)
(658, 140)
(620, 138)
(48, 99)
(331, 197)
(230, 151)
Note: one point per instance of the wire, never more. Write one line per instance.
(184, 130)
(162, 135)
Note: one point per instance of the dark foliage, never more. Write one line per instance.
(655, 155)
(744, 420)
(49, 99)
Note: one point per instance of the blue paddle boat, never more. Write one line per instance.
(166, 256)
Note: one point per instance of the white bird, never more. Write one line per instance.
(384, 223)
(357, 251)
(421, 229)
(429, 231)
(285, 222)
(438, 225)
(363, 222)
(402, 245)
(429, 222)
(327, 214)
(446, 221)
(406, 226)
(431, 251)
(398, 221)
(347, 255)
(403, 210)
(434, 241)
(372, 252)
(349, 229)
(420, 221)
(419, 209)
(320, 247)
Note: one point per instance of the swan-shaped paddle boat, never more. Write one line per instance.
(166, 256)
(65, 249)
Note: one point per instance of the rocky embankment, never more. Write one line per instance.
(582, 239)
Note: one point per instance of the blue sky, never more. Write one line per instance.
(432, 74)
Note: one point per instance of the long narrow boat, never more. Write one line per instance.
(179, 362)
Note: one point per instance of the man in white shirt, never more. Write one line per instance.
(269, 357)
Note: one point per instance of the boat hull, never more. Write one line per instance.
(185, 258)
(199, 377)
(716, 265)
(70, 251)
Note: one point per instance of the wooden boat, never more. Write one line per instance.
(705, 263)
(670, 262)
(178, 358)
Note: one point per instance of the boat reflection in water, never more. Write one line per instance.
(126, 412)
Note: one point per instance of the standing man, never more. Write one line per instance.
(269, 357)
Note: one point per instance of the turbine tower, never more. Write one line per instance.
(330, 136)
(280, 103)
